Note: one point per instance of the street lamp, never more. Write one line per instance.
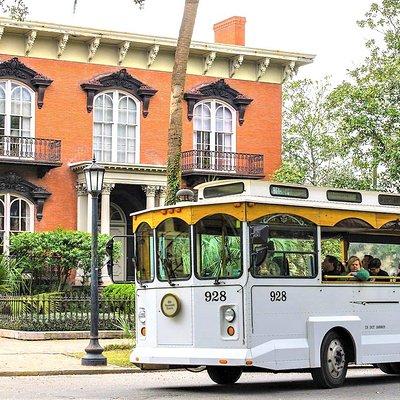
(94, 175)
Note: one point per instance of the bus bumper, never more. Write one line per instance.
(187, 356)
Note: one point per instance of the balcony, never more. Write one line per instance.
(43, 154)
(197, 164)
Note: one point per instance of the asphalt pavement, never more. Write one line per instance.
(362, 384)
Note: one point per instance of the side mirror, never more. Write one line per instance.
(259, 234)
(259, 239)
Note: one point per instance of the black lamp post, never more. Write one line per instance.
(94, 175)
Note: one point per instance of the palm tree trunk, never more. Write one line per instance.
(177, 88)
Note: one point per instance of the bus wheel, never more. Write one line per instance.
(332, 372)
(224, 375)
(390, 368)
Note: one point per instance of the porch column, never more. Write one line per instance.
(105, 208)
(81, 204)
(150, 191)
(162, 194)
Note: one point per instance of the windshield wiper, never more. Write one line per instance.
(218, 275)
(167, 271)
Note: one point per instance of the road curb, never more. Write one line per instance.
(96, 371)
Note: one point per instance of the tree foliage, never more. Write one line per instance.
(16, 9)
(367, 106)
(313, 151)
(51, 256)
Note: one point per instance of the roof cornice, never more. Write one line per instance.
(45, 29)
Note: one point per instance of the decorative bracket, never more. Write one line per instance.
(262, 66)
(217, 90)
(208, 61)
(15, 69)
(123, 51)
(92, 47)
(1, 31)
(30, 41)
(14, 182)
(152, 54)
(290, 71)
(119, 80)
(234, 64)
(62, 44)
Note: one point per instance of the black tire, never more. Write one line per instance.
(224, 375)
(333, 370)
(390, 368)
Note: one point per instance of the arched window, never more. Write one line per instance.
(16, 215)
(116, 128)
(17, 109)
(214, 125)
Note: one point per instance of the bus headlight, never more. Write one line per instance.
(229, 314)
(142, 315)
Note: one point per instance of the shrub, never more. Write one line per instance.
(117, 291)
(51, 256)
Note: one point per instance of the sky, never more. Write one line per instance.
(325, 28)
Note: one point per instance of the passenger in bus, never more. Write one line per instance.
(331, 266)
(356, 270)
(375, 268)
(366, 260)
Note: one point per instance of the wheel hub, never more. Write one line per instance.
(336, 358)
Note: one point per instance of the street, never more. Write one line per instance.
(362, 384)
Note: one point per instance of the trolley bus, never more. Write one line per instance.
(231, 281)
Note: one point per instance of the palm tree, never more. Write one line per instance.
(178, 79)
(177, 87)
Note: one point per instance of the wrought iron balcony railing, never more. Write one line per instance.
(23, 150)
(222, 163)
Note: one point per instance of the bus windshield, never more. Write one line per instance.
(173, 250)
(218, 247)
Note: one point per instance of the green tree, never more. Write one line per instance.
(16, 8)
(313, 152)
(367, 105)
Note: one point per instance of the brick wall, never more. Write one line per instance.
(64, 117)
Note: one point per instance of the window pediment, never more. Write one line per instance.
(15, 69)
(217, 90)
(121, 79)
(13, 182)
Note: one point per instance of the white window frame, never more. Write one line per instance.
(114, 124)
(215, 103)
(7, 219)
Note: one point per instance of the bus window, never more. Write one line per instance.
(218, 247)
(173, 250)
(144, 253)
(290, 249)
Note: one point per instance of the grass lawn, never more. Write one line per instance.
(115, 354)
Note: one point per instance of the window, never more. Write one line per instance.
(218, 247)
(214, 135)
(16, 120)
(16, 215)
(116, 128)
(145, 251)
(347, 197)
(173, 250)
(288, 191)
(223, 190)
(290, 249)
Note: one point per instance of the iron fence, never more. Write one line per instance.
(49, 312)
(221, 161)
(34, 149)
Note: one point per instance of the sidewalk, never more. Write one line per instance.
(49, 357)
